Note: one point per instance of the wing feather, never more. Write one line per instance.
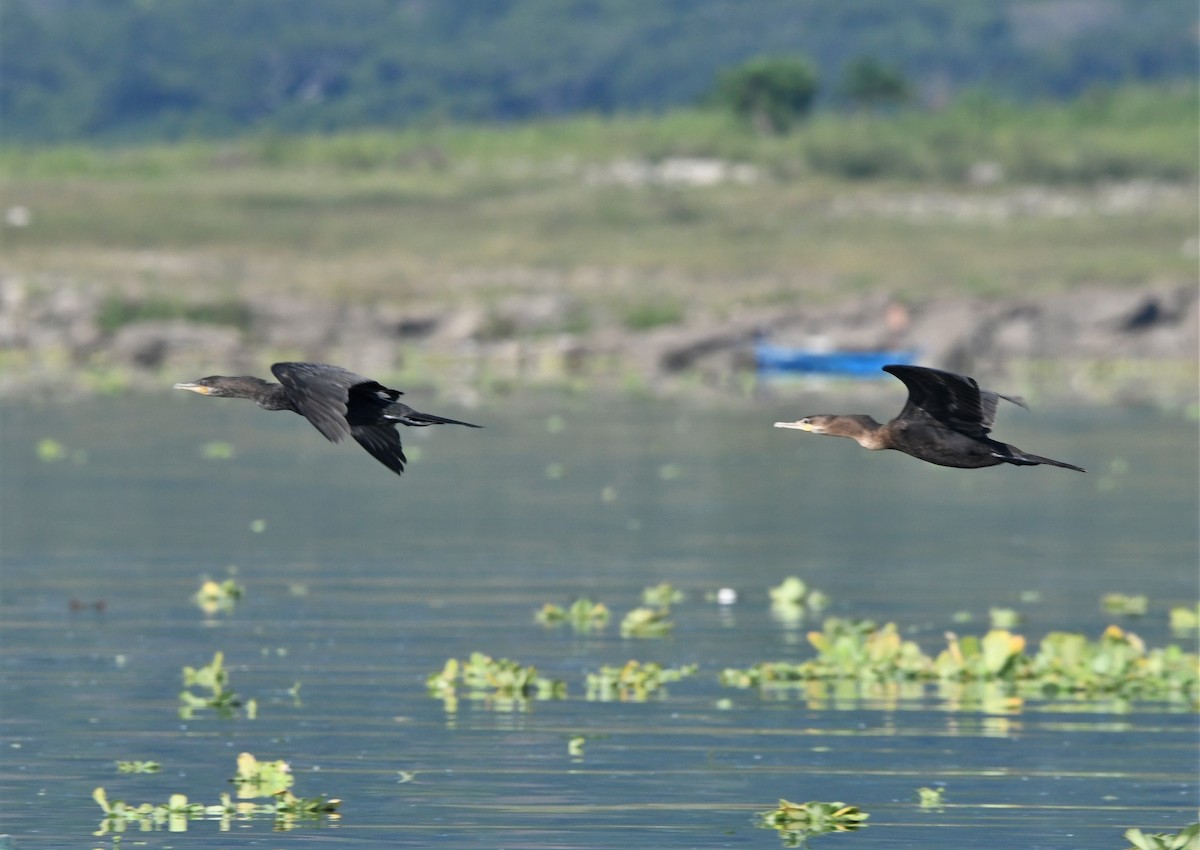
(953, 400)
(320, 394)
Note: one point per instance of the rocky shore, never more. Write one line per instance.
(1103, 345)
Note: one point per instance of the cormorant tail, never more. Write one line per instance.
(1020, 458)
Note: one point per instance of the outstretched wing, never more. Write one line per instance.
(953, 400)
(383, 443)
(332, 398)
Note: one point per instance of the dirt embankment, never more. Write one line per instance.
(1130, 346)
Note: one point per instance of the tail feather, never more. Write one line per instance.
(1024, 459)
(405, 415)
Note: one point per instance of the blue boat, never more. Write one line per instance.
(779, 359)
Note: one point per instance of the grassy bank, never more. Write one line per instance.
(844, 204)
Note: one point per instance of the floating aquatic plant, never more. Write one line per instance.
(575, 745)
(214, 679)
(217, 450)
(931, 798)
(218, 597)
(1187, 838)
(662, 595)
(50, 450)
(633, 681)
(646, 622)
(138, 766)
(797, 822)
(1184, 619)
(584, 615)
(505, 683)
(792, 600)
(285, 807)
(1004, 618)
(256, 778)
(1118, 664)
(1124, 604)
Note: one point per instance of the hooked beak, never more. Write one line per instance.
(799, 425)
(196, 388)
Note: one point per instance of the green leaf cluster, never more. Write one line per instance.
(1118, 664)
(503, 682)
(796, 822)
(583, 614)
(1187, 838)
(213, 679)
(633, 681)
(254, 779)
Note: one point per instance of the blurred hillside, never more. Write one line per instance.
(147, 69)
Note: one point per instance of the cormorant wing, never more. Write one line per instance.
(953, 400)
(383, 442)
(320, 394)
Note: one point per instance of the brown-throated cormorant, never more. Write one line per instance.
(946, 421)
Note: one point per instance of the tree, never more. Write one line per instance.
(772, 93)
(868, 83)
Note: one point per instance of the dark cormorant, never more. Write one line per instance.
(946, 421)
(336, 401)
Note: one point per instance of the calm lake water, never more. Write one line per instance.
(358, 585)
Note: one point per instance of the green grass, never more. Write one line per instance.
(401, 215)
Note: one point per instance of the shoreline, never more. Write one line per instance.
(1136, 346)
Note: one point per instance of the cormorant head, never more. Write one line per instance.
(816, 424)
(221, 386)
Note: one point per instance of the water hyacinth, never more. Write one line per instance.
(584, 615)
(255, 779)
(797, 822)
(1116, 665)
(503, 682)
(214, 678)
(634, 681)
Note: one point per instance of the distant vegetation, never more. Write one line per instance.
(1132, 132)
(946, 199)
(122, 70)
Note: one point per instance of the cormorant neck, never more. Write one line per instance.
(864, 430)
(271, 396)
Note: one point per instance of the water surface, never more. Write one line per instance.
(359, 585)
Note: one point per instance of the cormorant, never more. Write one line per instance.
(945, 421)
(336, 401)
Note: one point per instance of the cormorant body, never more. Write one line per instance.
(338, 402)
(946, 421)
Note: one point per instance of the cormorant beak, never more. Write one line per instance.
(800, 425)
(196, 388)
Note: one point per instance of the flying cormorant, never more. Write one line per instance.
(336, 401)
(945, 421)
